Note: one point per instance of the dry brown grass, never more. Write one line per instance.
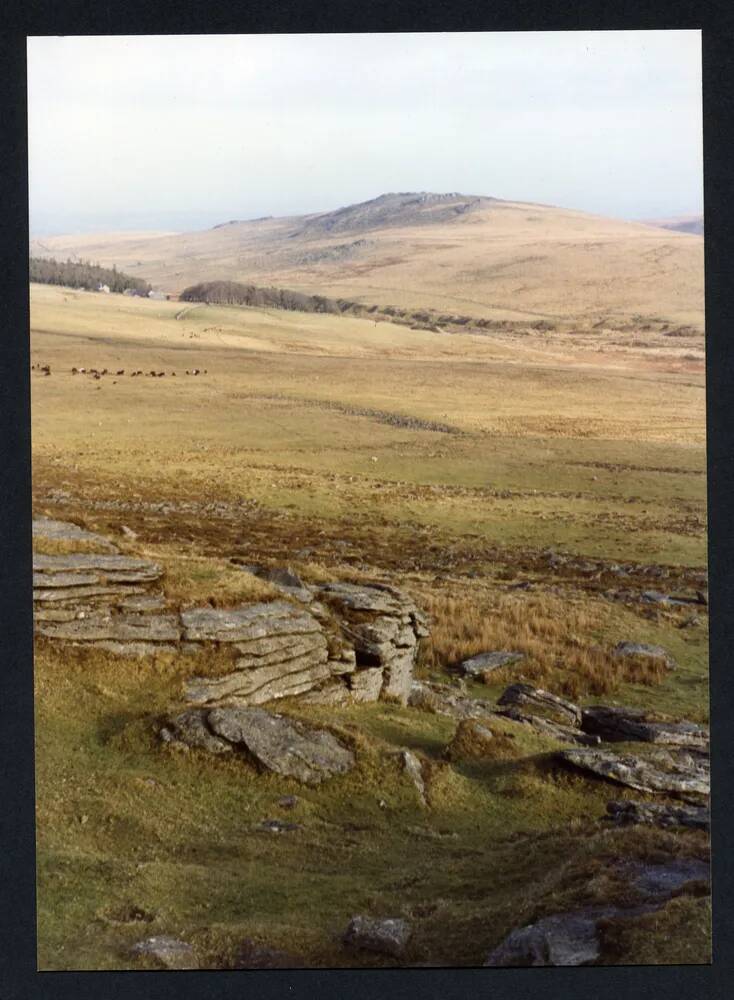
(559, 638)
(62, 546)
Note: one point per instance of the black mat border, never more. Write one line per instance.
(18, 978)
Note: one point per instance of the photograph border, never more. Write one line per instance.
(18, 978)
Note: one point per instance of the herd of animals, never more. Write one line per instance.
(98, 373)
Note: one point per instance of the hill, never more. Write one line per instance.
(474, 255)
(680, 224)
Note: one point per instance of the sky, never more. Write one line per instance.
(181, 132)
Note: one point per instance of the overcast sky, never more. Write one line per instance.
(183, 132)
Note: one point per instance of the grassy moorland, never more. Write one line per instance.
(447, 464)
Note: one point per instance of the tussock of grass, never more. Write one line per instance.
(63, 546)
(678, 934)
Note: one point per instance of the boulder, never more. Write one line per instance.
(167, 951)
(619, 723)
(388, 936)
(276, 743)
(546, 704)
(626, 813)
(566, 939)
(114, 568)
(675, 772)
(643, 649)
(477, 666)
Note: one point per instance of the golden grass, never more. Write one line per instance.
(557, 636)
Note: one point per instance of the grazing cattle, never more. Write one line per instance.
(82, 371)
(121, 372)
(74, 371)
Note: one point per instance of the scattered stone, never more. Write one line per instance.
(643, 649)
(550, 705)
(676, 772)
(288, 801)
(128, 532)
(168, 951)
(626, 813)
(477, 666)
(619, 723)
(386, 937)
(190, 729)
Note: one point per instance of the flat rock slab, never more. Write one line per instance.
(389, 936)
(480, 664)
(613, 722)
(247, 622)
(284, 746)
(65, 531)
(98, 626)
(548, 705)
(678, 773)
(168, 951)
(627, 812)
(645, 650)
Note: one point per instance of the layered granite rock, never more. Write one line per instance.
(338, 642)
(676, 772)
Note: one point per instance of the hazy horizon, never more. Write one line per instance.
(123, 135)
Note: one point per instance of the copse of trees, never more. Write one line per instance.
(234, 293)
(82, 274)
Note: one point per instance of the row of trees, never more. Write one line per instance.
(82, 274)
(233, 293)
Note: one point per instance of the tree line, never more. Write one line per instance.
(82, 274)
(234, 293)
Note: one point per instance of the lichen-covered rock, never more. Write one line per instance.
(115, 568)
(285, 746)
(676, 772)
(411, 767)
(548, 705)
(620, 723)
(389, 936)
